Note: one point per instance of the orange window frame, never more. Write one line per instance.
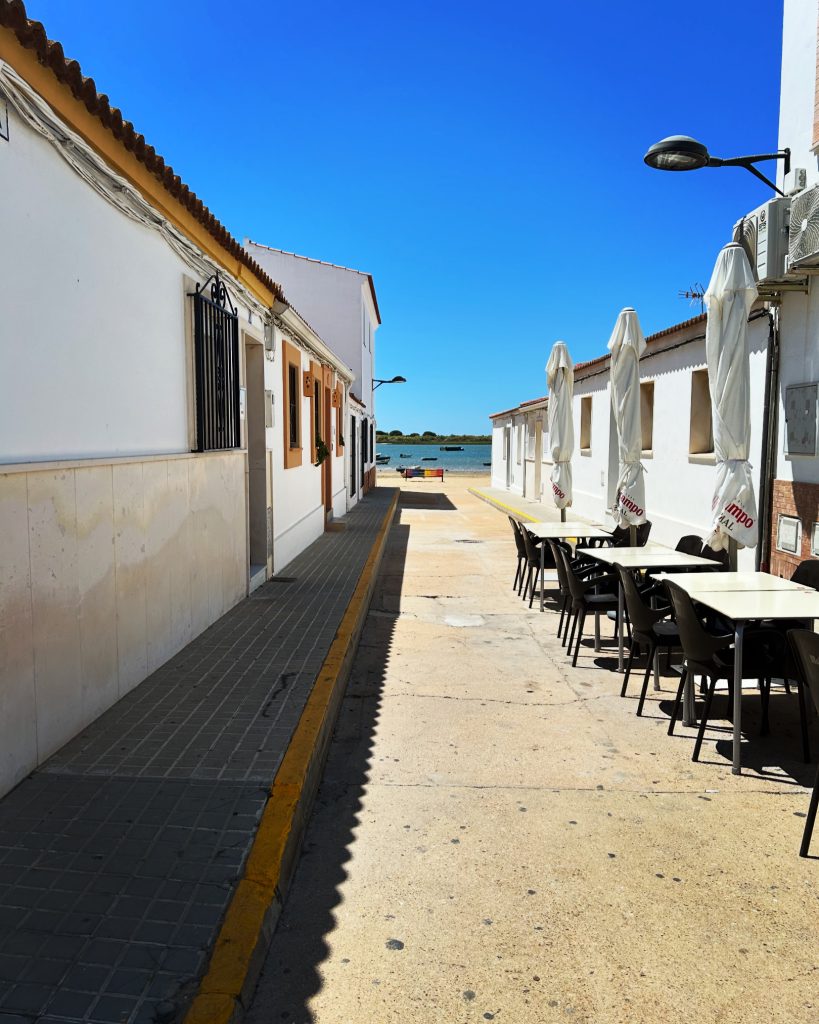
(291, 358)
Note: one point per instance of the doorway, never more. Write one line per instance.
(256, 464)
(363, 455)
(507, 455)
(353, 458)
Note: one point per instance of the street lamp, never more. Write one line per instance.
(395, 380)
(682, 153)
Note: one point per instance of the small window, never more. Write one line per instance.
(647, 414)
(531, 435)
(216, 362)
(291, 365)
(293, 404)
(585, 422)
(701, 434)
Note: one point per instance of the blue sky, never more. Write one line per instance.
(482, 160)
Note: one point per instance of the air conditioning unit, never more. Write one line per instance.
(763, 234)
(803, 235)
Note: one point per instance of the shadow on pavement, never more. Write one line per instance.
(435, 500)
(292, 973)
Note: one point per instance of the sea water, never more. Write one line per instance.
(470, 460)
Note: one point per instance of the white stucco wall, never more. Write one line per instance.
(797, 87)
(498, 469)
(93, 326)
(679, 486)
(337, 304)
(298, 512)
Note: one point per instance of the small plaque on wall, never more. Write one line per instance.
(789, 534)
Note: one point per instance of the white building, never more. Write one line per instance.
(341, 305)
(678, 448)
(147, 408)
(794, 519)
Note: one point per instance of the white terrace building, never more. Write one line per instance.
(341, 304)
(160, 408)
(678, 447)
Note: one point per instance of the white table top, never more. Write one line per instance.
(646, 558)
(740, 605)
(698, 582)
(574, 529)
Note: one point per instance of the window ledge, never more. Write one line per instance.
(586, 452)
(702, 458)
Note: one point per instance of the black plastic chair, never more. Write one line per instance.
(563, 583)
(712, 656)
(716, 556)
(804, 646)
(649, 626)
(690, 544)
(585, 596)
(807, 573)
(533, 573)
(521, 550)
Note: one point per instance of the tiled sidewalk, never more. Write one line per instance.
(118, 858)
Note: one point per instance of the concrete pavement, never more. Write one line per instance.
(498, 837)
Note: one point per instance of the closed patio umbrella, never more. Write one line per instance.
(729, 298)
(560, 383)
(626, 346)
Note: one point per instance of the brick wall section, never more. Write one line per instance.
(793, 499)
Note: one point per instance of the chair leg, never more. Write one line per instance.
(579, 636)
(532, 591)
(803, 721)
(563, 616)
(652, 648)
(765, 695)
(712, 685)
(628, 669)
(811, 818)
(675, 714)
(522, 576)
(517, 574)
(528, 583)
(571, 634)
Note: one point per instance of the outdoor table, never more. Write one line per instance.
(560, 531)
(643, 558)
(697, 585)
(744, 606)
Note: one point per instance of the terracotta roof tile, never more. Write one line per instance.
(32, 35)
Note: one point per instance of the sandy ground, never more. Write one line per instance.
(499, 837)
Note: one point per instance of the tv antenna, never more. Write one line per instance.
(696, 293)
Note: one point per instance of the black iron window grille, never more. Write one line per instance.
(216, 359)
(293, 404)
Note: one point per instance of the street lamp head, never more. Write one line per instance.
(398, 380)
(678, 153)
(395, 380)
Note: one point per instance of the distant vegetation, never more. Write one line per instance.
(430, 437)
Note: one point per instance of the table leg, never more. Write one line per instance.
(542, 570)
(597, 631)
(689, 718)
(620, 626)
(739, 634)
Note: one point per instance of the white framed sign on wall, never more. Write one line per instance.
(789, 534)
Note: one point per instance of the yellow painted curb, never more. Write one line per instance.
(250, 919)
(499, 504)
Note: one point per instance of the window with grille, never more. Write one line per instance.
(216, 361)
(293, 404)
